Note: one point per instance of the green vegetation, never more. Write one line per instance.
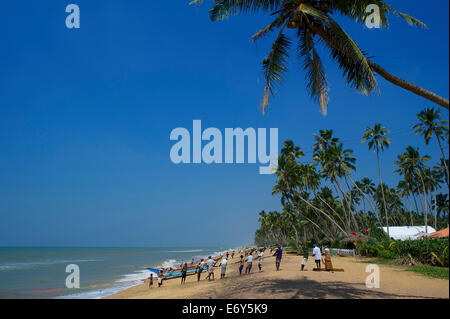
(431, 271)
(431, 251)
(426, 270)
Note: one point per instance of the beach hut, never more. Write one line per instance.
(443, 233)
(408, 232)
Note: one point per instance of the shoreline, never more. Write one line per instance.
(290, 282)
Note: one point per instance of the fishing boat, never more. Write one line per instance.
(174, 273)
(170, 273)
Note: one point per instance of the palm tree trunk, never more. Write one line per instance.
(445, 160)
(365, 196)
(409, 86)
(323, 201)
(425, 202)
(326, 215)
(435, 212)
(410, 210)
(382, 192)
(415, 201)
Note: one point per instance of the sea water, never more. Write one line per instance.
(41, 272)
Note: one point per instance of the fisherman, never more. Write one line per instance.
(249, 261)
(241, 264)
(150, 280)
(184, 273)
(232, 254)
(279, 254)
(305, 257)
(317, 256)
(210, 262)
(327, 260)
(200, 267)
(223, 267)
(160, 278)
(260, 259)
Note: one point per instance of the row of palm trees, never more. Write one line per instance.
(321, 200)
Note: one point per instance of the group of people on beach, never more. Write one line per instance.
(245, 261)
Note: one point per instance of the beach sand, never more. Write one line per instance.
(289, 282)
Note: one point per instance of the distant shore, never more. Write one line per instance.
(290, 282)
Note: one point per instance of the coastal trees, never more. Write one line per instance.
(312, 25)
(322, 202)
(377, 140)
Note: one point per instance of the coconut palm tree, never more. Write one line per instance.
(412, 166)
(377, 140)
(312, 24)
(430, 124)
(323, 140)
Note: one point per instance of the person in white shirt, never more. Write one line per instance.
(260, 259)
(210, 262)
(223, 264)
(317, 256)
(249, 261)
(200, 267)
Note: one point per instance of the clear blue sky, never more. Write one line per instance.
(85, 118)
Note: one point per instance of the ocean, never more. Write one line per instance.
(41, 272)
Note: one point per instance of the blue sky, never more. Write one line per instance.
(86, 114)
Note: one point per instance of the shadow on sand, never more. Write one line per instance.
(304, 288)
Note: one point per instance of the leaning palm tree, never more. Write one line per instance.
(430, 124)
(377, 141)
(312, 24)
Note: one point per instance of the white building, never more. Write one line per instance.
(408, 232)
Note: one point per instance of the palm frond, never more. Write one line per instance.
(351, 60)
(410, 20)
(274, 66)
(222, 9)
(315, 76)
(270, 27)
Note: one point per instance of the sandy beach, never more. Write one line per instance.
(290, 283)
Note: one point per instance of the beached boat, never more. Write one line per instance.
(174, 273)
(170, 273)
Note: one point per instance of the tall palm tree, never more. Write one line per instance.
(377, 140)
(313, 24)
(412, 166)
(430, 124)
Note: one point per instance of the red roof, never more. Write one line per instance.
(439, 234)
